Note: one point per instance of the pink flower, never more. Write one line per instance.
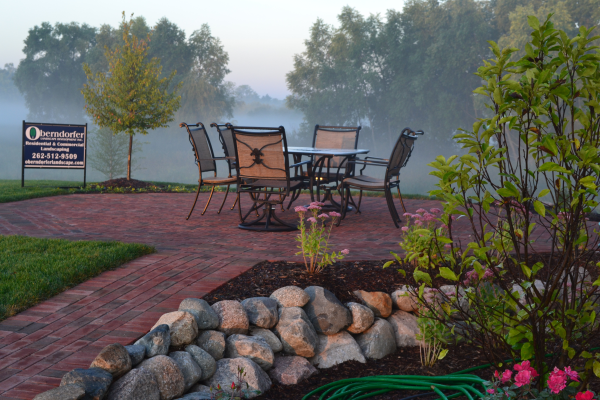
(317, 203)
(421, 210)
(584, 396)
(523, 378)
(506, 375)
(407, 214)
(324, 216)
(345, 252)
(428, 217)
(418, 222)
(573, 375)
(233, 385)
(334, 214)
(557, 381)
(444, 226)
(313, 206)
(491, 391)
(448, 246)
(435, 210)
(405, 228)
(453, 217)
(300, 209)
(525, 365)
(312, 219)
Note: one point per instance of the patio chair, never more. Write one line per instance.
(226, 139)
(398, 159)
(263, 171)
(206, 161)
(329, 170)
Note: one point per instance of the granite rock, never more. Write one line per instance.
(290, 296)
(336, 349)
(296, 333)
(156, 342)
(269, 337)
(213, 342)
(189, 368)
(136, 353)
(362, 317)
(261, 311)
(206, 362)
(291, 370)
(227, 369)
(405, 328)
(94, 381)
(137, 384)
(379, 302)
(114, 358)
(253, 347)
(232, 317)
(403, 300)
(326, 313)
(170, 380)
(182, 327)
(66, 392)
(378, 341)
(205, 316)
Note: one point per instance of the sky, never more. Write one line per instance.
(261, 36)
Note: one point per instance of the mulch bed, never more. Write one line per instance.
(342, 279)
(125, 183)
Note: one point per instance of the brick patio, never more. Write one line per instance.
(39, 345)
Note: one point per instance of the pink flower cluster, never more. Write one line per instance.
(473, 277)
(557, 380)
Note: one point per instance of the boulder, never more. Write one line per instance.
(521, 293)
(207, 363)
(253, 347)
(325, 312)
(232, 317)
(296, 333)
(136, 353)
(378, 341)
(196, 396)
(269, 337)
(405, 328)
(137, 384)
(213, 342)
(261, 311)
(403, 300)
(205, 316)
(169, 378)
(379, 302)
(227, 371)
(336, 349)
(66, 392)
(94, 381)
(199, 389)
(189, 368)
(156, 342)
(290, 296)
(114, 358)
(182, 326)
(291, 370)
(362, 317)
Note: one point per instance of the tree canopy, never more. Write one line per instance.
(414, 67)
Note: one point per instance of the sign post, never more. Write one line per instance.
(54, 146)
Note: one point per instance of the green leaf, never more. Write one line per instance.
(597, 368)
(402, 272)
(387, 264)
(553, 167)
(543, 193)
(421, 276)
(539, 208)
(533, 22)
(526, 351)
(443, 354)
(447, 273)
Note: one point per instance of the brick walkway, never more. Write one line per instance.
(38, 346)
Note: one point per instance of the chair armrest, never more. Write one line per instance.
(369, 162)
(376, 158)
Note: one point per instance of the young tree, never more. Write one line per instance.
(131, 97)
(107, 152)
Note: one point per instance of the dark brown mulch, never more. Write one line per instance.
(342, 279)
(125, 183)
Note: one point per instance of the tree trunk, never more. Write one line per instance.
(129, 158)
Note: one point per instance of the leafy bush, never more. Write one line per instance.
(540, 143)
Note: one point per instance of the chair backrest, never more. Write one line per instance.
(226, 139)
(202, 148)
(336, 137)
(261, 153)
(401, 153)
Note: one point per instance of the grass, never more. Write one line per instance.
(11, 190)
(32, 269)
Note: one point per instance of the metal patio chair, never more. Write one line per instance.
(226, 139)
(398, 159)
(206, 161)
(263, 171)
(327, 172)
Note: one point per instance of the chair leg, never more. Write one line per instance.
(195, 200)
(359, 200)
(225, 198)
(343, 205)
(209, 198)
(281, 199)
(400, 197)
(237, 198)
(393, 212)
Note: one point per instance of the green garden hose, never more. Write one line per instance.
(454, 384)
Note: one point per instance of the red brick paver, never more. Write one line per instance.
(39, 345)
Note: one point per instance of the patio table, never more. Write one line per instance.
(298, 152)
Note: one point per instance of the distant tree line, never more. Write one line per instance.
(414, 67)
(51, 77)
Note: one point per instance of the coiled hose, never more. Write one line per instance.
(454, 384)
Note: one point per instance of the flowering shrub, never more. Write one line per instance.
(520, 386)
(314, 237)
(237, 391)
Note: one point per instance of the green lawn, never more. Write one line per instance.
(32, 269)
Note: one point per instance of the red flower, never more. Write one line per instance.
(233, 385)
(496, 374)
(526, 366)
(523, 378)
(506, 375)
(584, 396)
(572, 374)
